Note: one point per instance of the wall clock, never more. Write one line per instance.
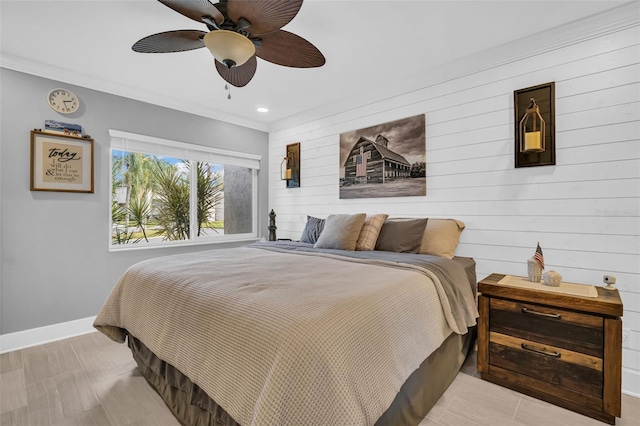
(63, 101)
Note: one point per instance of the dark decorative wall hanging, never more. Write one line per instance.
(535, 127)
(290, 166)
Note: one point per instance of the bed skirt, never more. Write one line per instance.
(193, 407)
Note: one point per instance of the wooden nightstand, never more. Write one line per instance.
(563, 349)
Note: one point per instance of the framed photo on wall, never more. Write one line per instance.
(385, 160)
(61, 163)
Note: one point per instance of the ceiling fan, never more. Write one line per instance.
(239, 31)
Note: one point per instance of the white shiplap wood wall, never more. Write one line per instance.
(585, 210)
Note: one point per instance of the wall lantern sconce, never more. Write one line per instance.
(532, 130)
(535, 126)
(285, 167)
(290, 166)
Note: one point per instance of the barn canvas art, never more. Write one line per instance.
(386, 160)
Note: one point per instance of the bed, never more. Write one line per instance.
(285, 333)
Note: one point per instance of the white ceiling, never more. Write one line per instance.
(368, 45)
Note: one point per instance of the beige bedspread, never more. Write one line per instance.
(306, 339)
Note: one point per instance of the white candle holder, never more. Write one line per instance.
(534, 270)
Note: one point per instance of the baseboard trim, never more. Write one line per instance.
(50, 333)
(631, 382)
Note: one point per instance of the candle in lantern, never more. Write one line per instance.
(532, 142)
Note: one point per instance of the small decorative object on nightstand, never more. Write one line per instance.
(563, 348)
(534, 271)
(552, 278)
(609, 281)
(535, 265)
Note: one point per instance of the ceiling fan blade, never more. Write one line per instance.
(264, 16)
(195, 9)
(238, 76)
(284, 48)
(170, 41)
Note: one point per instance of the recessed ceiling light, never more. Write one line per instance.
(262, 109)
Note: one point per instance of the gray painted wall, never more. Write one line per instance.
(55, 264)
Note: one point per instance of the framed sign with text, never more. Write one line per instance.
(61, 163)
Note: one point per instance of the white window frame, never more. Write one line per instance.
(131, 142)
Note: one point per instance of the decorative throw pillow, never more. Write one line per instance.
(370, 231)
(401, 235)
(312, 230)
(341, 231)
(441, 237)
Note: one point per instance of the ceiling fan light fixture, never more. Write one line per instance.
(229, 47)
(239, 32)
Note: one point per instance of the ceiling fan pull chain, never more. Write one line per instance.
(228, 88)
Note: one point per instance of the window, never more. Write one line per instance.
(172, 193)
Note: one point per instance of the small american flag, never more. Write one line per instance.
(361, 164)
(538, 256)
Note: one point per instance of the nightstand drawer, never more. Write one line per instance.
(568, 369)
(548, 325)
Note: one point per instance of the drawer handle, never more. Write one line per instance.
(542, 314)
(538, 351)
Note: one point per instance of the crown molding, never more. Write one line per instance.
(64, 75)
(611, 21)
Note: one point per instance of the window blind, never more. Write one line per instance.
(157, 146)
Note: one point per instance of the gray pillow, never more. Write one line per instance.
(341, 231)
(312, 230)
(401, 235)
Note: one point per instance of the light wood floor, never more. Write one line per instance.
(89, 380)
